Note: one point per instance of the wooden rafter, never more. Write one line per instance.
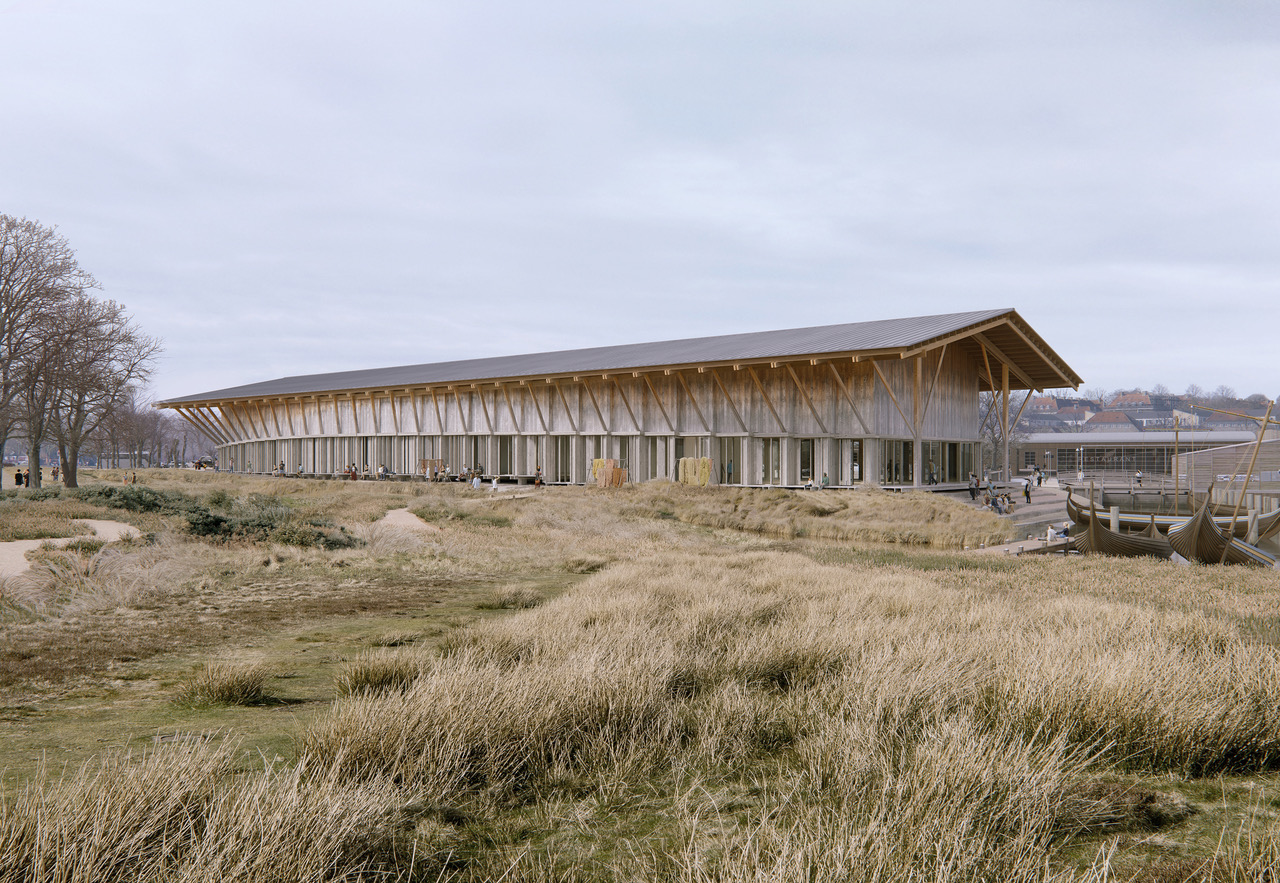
(649, 383)
(626, 404)
(1041, 353)
(955, 336)
(355, 412)
(231, 412)
(375, 410)
(395, 418)
(567, 413)
(219, 415)
(274, 420)
(893, 398)
(805, 395)
(706, 427)
(202, 422)
(302, 408)
(724, 392)
(1006, 361)
(209, 427)
(337, 415)
(586, 384)
(848, 397)
(764, 395)
(190, 418)
(511, 409)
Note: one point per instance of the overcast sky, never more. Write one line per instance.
(281, 188)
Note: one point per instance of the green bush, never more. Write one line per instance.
(135, 498)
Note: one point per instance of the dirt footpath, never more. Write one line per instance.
(13, 555)
(406, 519)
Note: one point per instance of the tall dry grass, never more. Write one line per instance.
(68, 582)
(182, 814)
(864, 515)
(932, 732)
(713, 705)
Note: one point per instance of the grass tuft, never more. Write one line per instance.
(226, 683)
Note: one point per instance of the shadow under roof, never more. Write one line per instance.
(1018, 341)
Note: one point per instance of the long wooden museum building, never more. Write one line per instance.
(892, 402)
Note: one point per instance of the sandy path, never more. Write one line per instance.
(406, 519)
(13, 555)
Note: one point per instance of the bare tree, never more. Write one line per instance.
(1195, 392)
(1160, 390)
(1223, 395)
(991, 429)
(38, 273)
(109, 356)
(1095, 394)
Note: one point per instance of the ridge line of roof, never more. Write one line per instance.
(933, 326)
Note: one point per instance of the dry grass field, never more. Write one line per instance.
(655, 683)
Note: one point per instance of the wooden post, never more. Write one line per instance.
(1262, 431)
(917, 455)
(1004, 415)
(1177, 481)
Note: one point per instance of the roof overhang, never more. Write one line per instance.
(994, 339)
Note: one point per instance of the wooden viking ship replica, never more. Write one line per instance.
(1200, 539)
(1268, 524)
(1099, 540)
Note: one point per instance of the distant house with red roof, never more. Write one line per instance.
(1076, 416)
(1132, 401)
(1111, 421)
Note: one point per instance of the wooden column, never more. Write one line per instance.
(917, 455)
(1004, 416)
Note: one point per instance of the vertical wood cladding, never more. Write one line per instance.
(832, 399)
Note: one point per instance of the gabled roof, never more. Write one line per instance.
(1132, 400)
(1111, 418)
(1003, 333)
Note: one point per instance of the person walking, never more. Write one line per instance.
(1026, 490)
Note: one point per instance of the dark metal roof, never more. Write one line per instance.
(852, 338)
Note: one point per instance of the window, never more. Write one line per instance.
(730, 465)
(506, 460)
(849, 468)
(771, 460)
(1029, 459)
(898, 463)
(564, 458)
(806, 459)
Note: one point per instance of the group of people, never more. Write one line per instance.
(1000, 503)
(824, 483)
(22, 478)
